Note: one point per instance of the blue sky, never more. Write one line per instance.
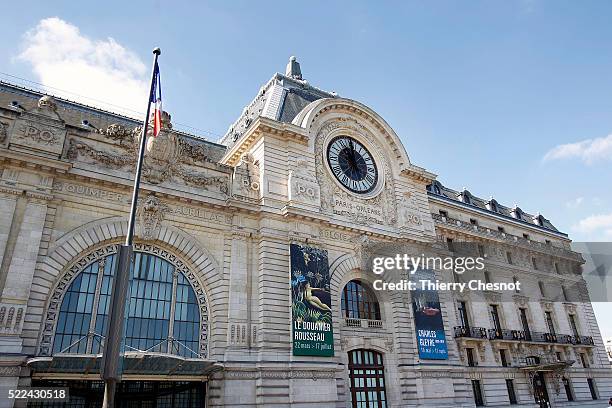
(507, 98)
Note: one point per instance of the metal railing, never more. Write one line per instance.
(471, 332)
(363, 323)
(169, 345)
(505, 334)
(538, 337)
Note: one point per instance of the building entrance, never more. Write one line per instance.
(539, 390)
(130, 394)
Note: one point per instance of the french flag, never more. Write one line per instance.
(156, 98)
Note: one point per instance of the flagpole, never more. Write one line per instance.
(109, 366)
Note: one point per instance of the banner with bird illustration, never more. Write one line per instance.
(311, 302)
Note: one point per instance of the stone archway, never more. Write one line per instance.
(76, 249)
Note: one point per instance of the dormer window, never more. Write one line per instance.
(492, 205)
(435, 188)
(539, 220)
(466, 197)
(517, 213)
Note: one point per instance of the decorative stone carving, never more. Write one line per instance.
(162, 152)
(39, 134)
(389, 344)
(303, 186)
(119, 133)
(163, 158)
(547, 306)
(521, 301)
(193, 152)
(151, 213)
(108, 159)
(40, 130)
(47, 102)
(409, 216)
(492, 297)
(3, 131)
(570, 308)
(11, 318)
(201, 180)
(380, 209)
(246, 177)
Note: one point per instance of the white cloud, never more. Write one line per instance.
(595, 225)
(589, 150)
(575, 203)
(61, 57)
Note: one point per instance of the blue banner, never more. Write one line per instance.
(431, 341)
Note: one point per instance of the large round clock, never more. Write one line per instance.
(352, 164)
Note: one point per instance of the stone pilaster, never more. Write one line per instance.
(239, 333)
(17, 268)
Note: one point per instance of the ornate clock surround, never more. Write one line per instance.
(375, 207)
(376, 156)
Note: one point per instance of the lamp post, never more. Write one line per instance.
(109, 366)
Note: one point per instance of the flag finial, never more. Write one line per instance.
(157, 51)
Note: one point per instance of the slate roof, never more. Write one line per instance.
(491, 205)
(281, 98)
(74, 113)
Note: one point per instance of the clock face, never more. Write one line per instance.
(352, 164)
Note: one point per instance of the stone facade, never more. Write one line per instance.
(225, 214)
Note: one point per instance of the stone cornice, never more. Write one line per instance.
(33, 162)
(419, 174)
(258, 128)
(324, 220)
(472, 209)
(479, 232)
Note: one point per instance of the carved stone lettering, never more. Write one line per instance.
(87, 191)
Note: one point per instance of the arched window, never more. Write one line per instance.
(163, 311)
(367, 379)
(358, 302)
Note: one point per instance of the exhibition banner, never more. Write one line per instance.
(311, 302)
(429, 326)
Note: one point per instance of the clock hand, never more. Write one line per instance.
(354, 158)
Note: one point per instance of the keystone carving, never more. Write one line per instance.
(150, 215)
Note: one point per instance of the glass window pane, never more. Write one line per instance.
(148, 307)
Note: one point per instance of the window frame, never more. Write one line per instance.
(103, 262)
(369, 373)
(365, 299)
